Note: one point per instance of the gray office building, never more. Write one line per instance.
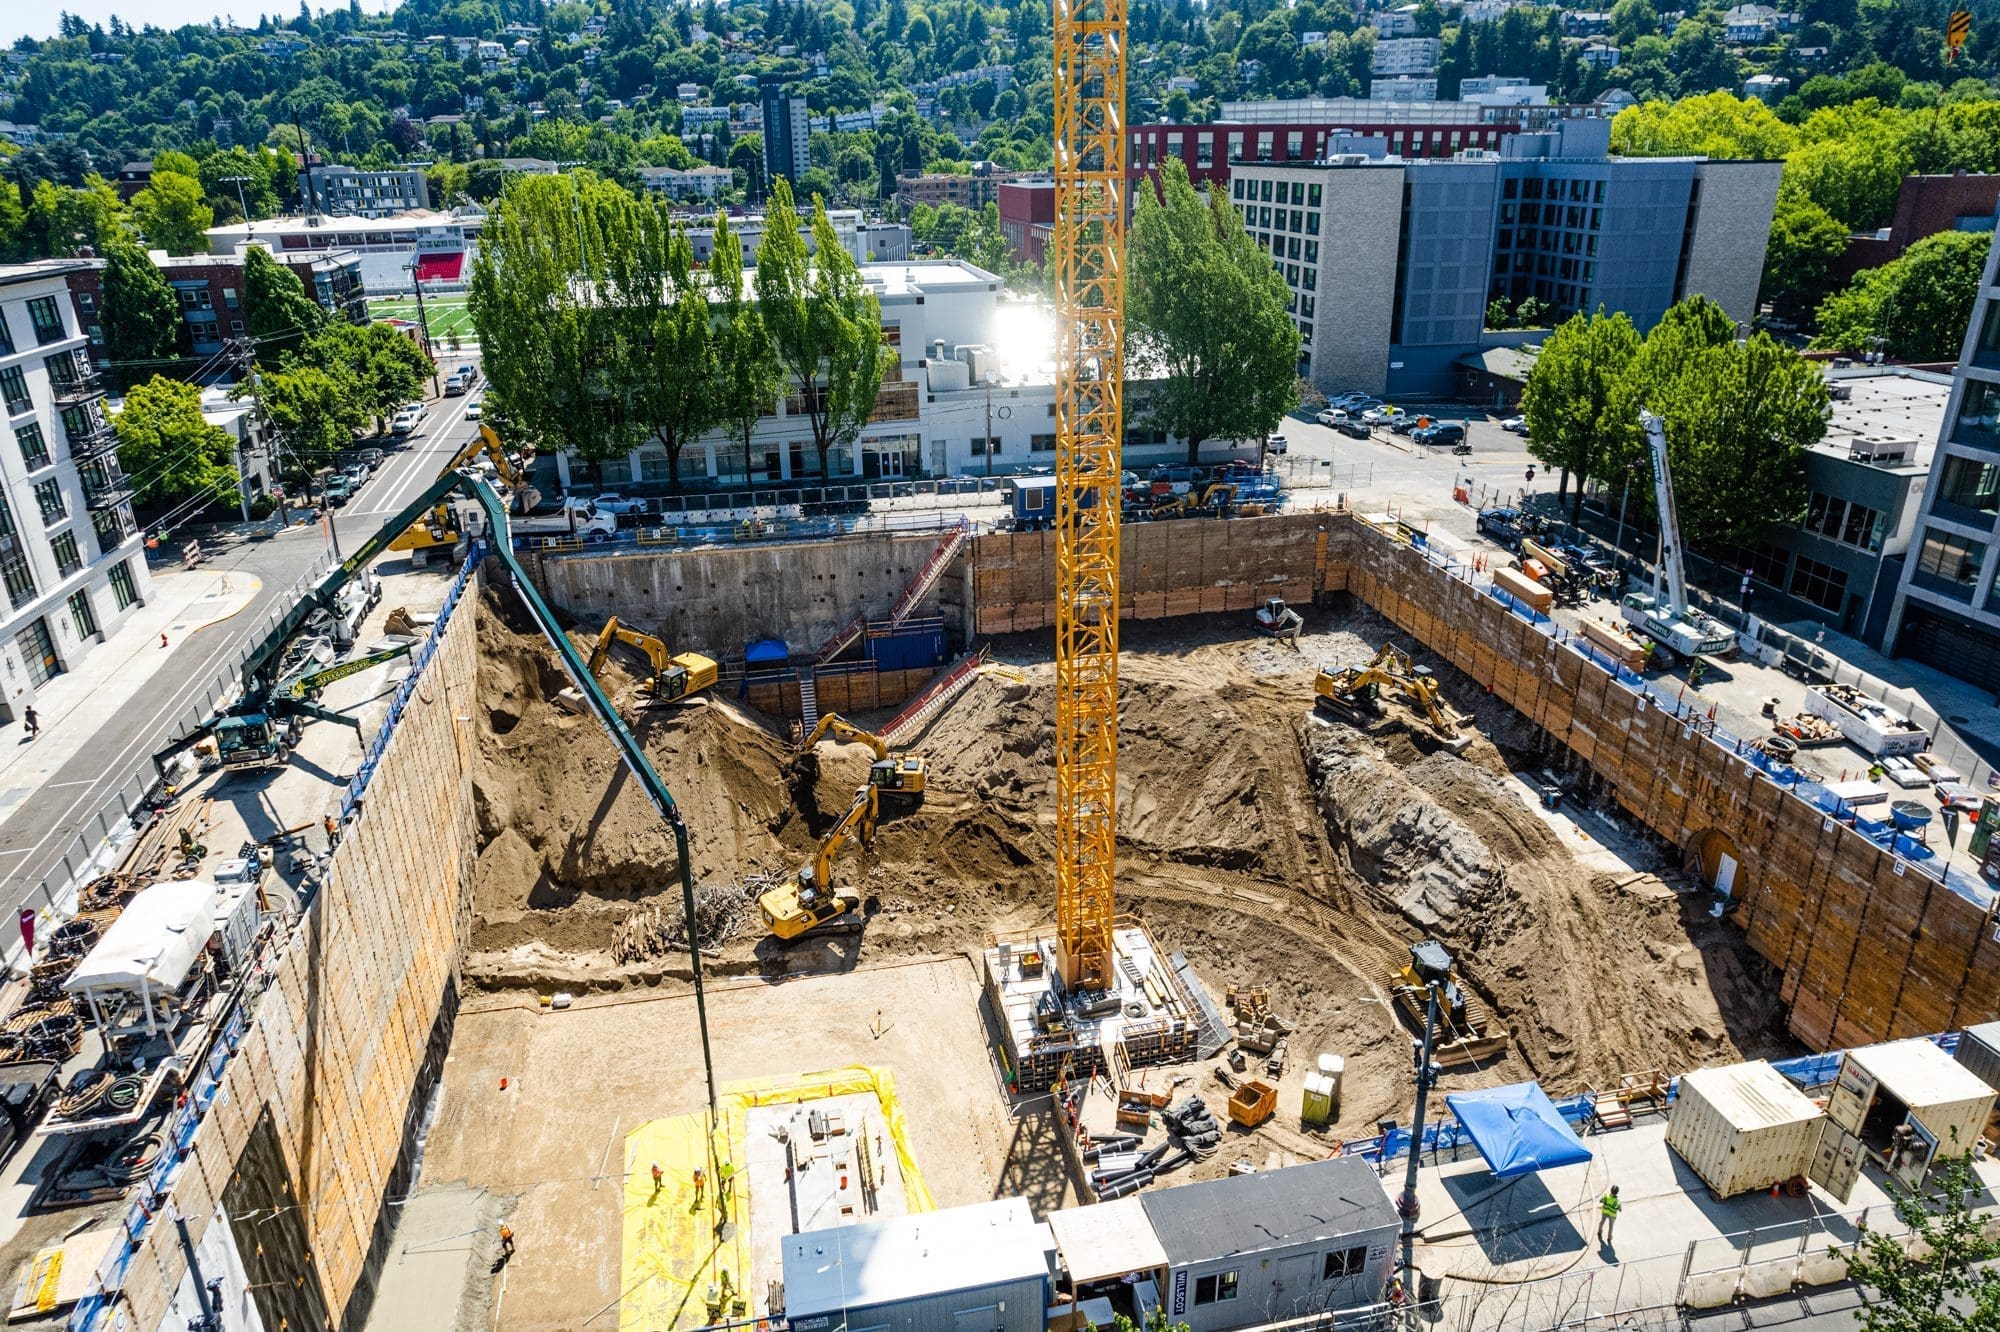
(345, 191)
(1947, 611)
(787, 132)
(1392, 263)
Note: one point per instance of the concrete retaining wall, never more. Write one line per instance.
(716, 599)
(343, 1043)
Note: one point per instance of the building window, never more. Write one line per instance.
(1971, 488)
(38, 649)
(34, 449)
(68, 558)
(1215, 1289)
(6, 338)
(1948, 563)
(48, 494)
(81, 615)
(1979, 413)
(46, 316)
(1204, 150)
(1821, 584)
(229, 297)
(14, 390)
(987, 447)
(1344, 1263)
(14, 572)
(1041, 444)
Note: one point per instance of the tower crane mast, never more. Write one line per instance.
(1090, 217)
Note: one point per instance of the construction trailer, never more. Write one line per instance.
(1248, 1250)
(986, 1266)
(1908, 1103)
(1743, 1127)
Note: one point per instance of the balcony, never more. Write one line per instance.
(94, 439)
(76, 384)
(104, 486)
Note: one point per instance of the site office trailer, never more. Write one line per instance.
(1245, 1250)
(1742, 1127)
(1883, 1088)
(985, 1267)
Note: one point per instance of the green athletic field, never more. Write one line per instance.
(447, 314)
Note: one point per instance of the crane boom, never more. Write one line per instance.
(1669, 580)
(1090, 155)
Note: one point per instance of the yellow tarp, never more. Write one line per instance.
(672, 1263)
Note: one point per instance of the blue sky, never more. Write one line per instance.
(39, 20)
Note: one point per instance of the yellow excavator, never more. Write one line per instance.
(1356, 691)
(809, 901)
(897, 778)
(440, 527)
(674, 676)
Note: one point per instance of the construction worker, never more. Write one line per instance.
(656, 1176)
(33, 721)
(699, 1180)
(1607, 1215)
(506, 1242)
(332, 832)
(723, 1174)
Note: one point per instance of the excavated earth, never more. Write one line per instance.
(1271, 847)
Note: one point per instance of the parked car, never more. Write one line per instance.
(1276, 444)
(1332, 416)
(407, 420)
(355, 476)
(1517, 425)
(1502, 524)
(370, 458)
(1443, 434)
(1406, 423)
(1352, 428)
(615, 503)
(1380, 416)
(473, 409)
(339, 487)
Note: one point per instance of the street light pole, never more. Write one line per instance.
(423, 324)
(1432, 965)
(239, 182)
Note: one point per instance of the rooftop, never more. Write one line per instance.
(37, 269)
(1898, 404)
(1917, 1072)
(906, 1257)
(1320, 1200)
(237, 232)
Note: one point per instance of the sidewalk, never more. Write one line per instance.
(115, 673)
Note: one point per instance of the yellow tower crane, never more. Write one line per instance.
(1090, 219)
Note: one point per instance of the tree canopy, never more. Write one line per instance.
(1568, 401)
(140, 317)
(277, 313)
(1917, 305)
(1209, 322)
(168, 449)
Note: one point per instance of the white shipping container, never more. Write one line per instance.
(1743, 1127)
(1881, 1086)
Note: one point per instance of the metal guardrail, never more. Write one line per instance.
(747, 531)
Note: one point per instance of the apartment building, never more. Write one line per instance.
(702, 182)
(71, 559)
(1947, 611)
(345, 191)
(209, 289)
(973, 189)
(787, 133)
(1406, 55)
(1392, 262)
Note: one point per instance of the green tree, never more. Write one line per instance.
(141, 318)
(1942, 1282)
(825, 325)
(1806, 241)
(312, 412)
(1568, 399)
(747, 375)
(172, 215)
(277, 313)
(1716, 124)
(677, 336)
(1208, 322)
(1739, 417)
(557, 257)
(385, 368)
(168, 449)
(1918, 304)
(65, 221)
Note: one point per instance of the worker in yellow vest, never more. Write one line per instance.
(1607, 1218)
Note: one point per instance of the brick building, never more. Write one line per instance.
(1925, 206)
(975, 189)
(209, 288)
(1027, 218)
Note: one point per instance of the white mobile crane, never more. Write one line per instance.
(1664, 614)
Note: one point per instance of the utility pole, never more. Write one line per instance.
(246, 365)
(424, 324)
(239, 182)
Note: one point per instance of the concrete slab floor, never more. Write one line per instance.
(580, 1080)
(445, 1237)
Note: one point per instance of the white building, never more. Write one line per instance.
(1403, 89)
(71, 558)
(951, 330)
(702, 182)
(351, 191)
(1406, 55)
(1398, 22)
(1766, 87)
(435, 246)
(848, 225)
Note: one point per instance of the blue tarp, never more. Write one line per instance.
(1517, 1129)
(767, 652)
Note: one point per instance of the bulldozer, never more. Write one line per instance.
(1278, 620)
(896, 778)
(809, 902)
(675, 676)
(1465, 1032)
(1355, 693)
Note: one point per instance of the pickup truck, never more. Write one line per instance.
(576, 517)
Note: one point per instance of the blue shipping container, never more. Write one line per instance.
(907, 649)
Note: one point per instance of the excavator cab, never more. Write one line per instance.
(796, 910)
(900, 776)
(1278, 620)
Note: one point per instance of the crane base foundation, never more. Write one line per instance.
(1050, 1032)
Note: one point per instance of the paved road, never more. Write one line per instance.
(45, 829)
